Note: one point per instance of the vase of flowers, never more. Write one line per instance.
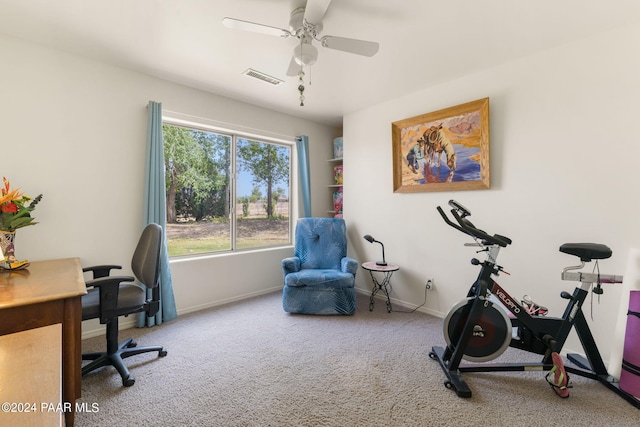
(15, 212)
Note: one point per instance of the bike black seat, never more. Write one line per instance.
(586, 251)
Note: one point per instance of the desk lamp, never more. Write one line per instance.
(370, 239)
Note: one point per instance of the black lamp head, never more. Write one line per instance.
(370, 239)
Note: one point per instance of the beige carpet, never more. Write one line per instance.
(251, 364)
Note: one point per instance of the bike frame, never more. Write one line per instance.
(539, 335)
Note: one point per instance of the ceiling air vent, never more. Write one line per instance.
(262, 76)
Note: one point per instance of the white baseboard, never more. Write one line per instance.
(228, 300)
(404, 304)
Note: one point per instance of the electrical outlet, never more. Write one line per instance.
(429, 284)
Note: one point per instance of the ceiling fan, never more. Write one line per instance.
(305, 25)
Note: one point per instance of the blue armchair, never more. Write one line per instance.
(320, 278)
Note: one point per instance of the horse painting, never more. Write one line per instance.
(443, 150)
(437, 143)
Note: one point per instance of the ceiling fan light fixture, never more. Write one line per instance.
(305, 54)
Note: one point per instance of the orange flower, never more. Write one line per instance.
(7, 195)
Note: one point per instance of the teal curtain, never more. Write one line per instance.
(302, 144)
(155, 210)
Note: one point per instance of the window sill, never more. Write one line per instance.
(201, 257)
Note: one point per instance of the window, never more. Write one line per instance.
(225, 192)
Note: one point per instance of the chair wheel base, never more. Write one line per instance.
(126, 349)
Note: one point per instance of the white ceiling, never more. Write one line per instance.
(422, 42)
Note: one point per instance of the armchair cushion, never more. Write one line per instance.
(324, 277)
(320, 242)
(293, 265)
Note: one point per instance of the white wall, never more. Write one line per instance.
(564, 159)
(75, 130)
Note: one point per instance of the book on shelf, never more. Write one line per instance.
(337, 174)
(337, 148)
(337, 203)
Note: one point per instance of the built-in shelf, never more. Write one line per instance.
(335, 188)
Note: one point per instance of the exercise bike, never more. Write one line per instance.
(489, 320)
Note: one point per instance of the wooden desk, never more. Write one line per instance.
(47, 293)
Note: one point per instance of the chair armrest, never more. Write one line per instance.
(349, 265)
(101, 270)
(290, 265)
(109, 289)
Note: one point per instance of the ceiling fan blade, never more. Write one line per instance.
(359, 47)
(314, 10)
(238, 24)
(294, 67)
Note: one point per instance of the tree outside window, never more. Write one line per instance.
(205, 212)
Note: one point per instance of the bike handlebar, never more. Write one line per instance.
(459, 212)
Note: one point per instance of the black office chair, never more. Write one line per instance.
(109, 297)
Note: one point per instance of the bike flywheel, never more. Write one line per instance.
(491, 334)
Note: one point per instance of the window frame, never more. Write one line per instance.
(204, 125)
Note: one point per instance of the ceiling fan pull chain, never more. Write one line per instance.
(301, 89)
(301, 86)
(301, 78)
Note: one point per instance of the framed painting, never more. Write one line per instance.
(445, 150)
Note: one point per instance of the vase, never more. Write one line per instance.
(7, 239)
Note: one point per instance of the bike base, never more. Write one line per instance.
(456, 383)
(610, 382)
(454, 378)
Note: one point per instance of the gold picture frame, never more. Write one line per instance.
(446, 150)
